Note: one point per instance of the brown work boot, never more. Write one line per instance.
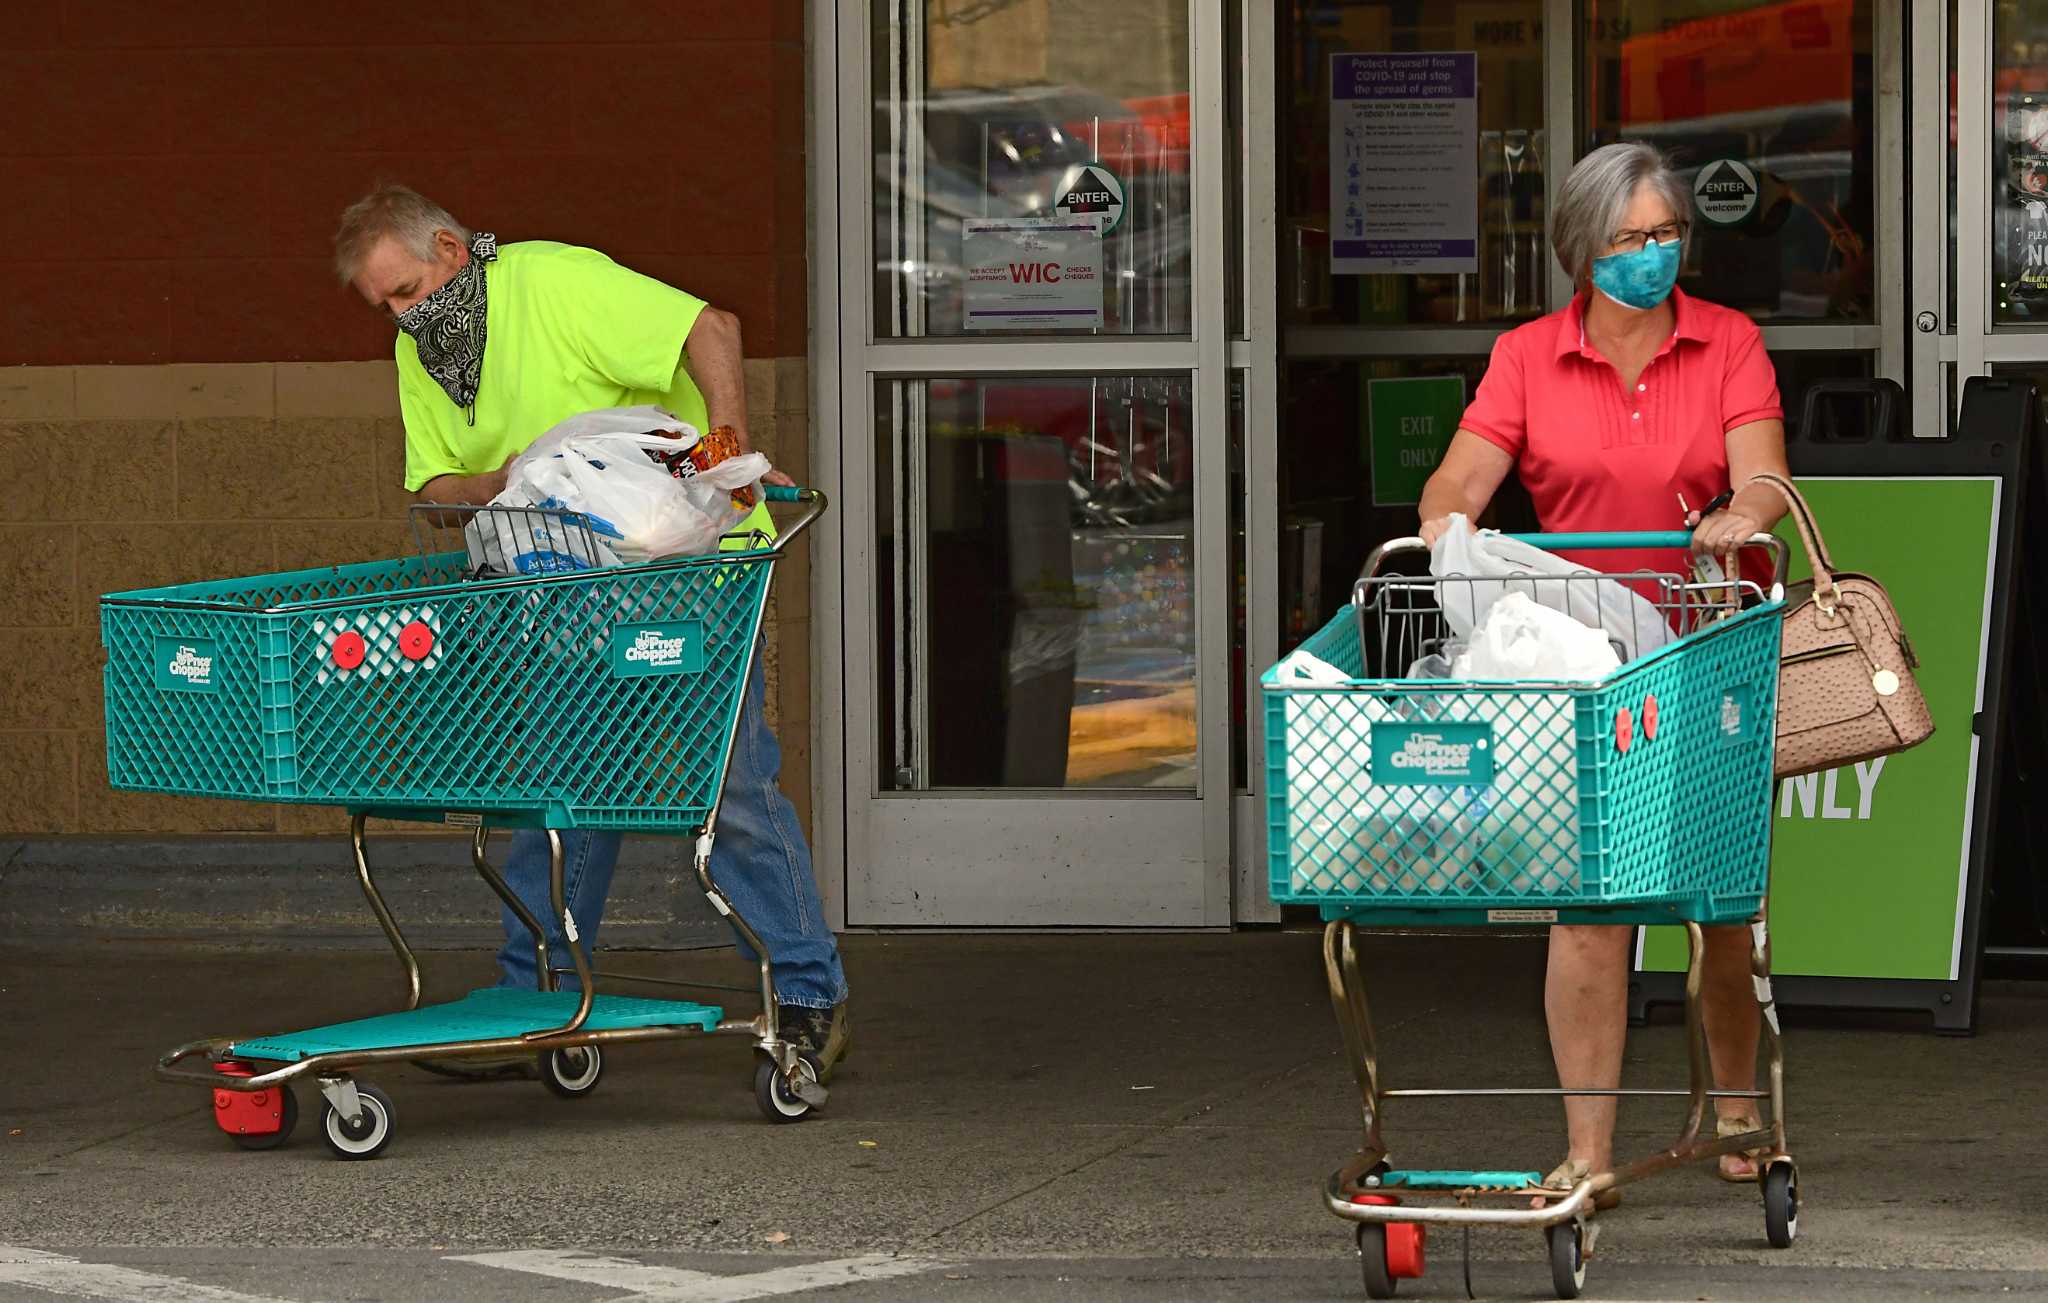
(821, 1033)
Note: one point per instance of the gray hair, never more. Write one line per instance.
(1596, 196)
(393, 210)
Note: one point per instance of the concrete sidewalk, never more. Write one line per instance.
(1088, 1097)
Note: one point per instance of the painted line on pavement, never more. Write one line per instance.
(678, 1285)
(53, 1273)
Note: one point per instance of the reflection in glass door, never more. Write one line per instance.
(1036, 459)
(1771, 112)
(1036, 580)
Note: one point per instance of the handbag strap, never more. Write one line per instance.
(1809, 536)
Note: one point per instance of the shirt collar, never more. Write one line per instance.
(1571, 332)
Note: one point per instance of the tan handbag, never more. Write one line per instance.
(1845, 689)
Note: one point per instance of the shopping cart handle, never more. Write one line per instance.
(783, 493)
(1640, 540)
(1653, 539)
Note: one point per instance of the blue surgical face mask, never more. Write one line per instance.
(1639, 280)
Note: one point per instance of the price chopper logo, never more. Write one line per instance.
(1435, 757)
(660, 653)
(190, 666)
(185, 664)
(673, 648)
(1441, 755)
(1731, 715)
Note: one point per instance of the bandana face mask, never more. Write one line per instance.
(447, 327)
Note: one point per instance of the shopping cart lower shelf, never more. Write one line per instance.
(1640, 799)
(419, 689)
(494, 1013)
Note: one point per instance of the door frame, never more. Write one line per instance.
(847, 359)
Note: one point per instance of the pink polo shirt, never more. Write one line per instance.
(1597, 456)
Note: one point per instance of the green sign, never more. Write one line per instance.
(186, 664)
(1432, 755)
(1867, 861)
(676, 647)
(1409, 422)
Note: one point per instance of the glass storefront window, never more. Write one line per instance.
(1035, 554)
(1002, 134)
(1330, 515)
(1769, 107)
(1513, 255)
(2019, 151)
(1799, 371)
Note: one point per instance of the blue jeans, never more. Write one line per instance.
(759, 859)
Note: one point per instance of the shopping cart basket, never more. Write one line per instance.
(435, 688)
(1642, 798)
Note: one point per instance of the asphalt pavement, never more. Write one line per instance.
(1144, 1117)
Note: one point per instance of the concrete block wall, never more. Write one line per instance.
(120, 477)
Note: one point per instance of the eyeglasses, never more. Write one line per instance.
(1632, 241)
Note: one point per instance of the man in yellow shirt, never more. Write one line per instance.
(497, 345)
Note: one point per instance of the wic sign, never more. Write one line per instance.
(1033, 273)
(1036, 273)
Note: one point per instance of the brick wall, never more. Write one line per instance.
(185, 393)
(175, 167)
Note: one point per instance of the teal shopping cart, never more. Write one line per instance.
(502, 683)
(1640, 798)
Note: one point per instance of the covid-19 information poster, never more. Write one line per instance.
(1404, 163)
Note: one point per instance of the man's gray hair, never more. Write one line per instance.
(1596, 197)
(393, 210)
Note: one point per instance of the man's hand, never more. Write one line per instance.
(464, 490)
(715, 358)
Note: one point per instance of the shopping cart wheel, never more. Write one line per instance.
(571, 1073)
(773, 1094)
(1781, 1204)
(287, 1118)
(1567, 1258)
(371, 1132)
(1372, 1258)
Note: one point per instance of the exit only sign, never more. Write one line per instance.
(1409, 422)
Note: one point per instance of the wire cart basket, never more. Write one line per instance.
(1641, 798)
(511, 680)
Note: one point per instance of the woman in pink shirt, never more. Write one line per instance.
(1633, 398)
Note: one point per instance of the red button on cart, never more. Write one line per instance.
(1624, 730)
(415, 640)
(348, 650)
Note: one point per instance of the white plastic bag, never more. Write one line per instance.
(614, 420)
(522, 543)
(1497, 565)
(598, 464)
(1519, 639)
(1347, 837)
(1324, 819)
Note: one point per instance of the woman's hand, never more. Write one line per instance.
(1432, 530)
(1722, 533)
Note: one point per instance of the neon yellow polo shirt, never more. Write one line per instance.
(567, 331)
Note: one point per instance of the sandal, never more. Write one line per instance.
(1726, 1126)
(1566, 1177)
